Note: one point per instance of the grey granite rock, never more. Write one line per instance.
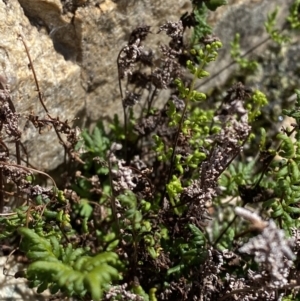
(59, 81)
(74, 45)
(15, 289)
(246, 17)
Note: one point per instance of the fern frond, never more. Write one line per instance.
(68, 269)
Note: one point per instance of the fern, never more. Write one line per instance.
(72, 271)
(95, 145)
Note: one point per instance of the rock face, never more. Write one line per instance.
(14, 288)
(247, 18)
(74, 45)
(59, 81)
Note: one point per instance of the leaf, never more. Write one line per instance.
(175, 269)
(68, 269)
(214, 4)
(199, 237)
(107, 257)
(81, 262)
(85, 208)
(39, 243)
(68, 277)
(287, 147)
(95, 279)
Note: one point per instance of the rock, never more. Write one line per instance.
(59, 81)
(74, 45)
(16, 288)
(247, 18)
(112, 24)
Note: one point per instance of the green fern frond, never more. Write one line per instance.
(68, 269)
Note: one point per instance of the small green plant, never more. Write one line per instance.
(244, 63)
(57, 267)
(293, 17)
(275, 34)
